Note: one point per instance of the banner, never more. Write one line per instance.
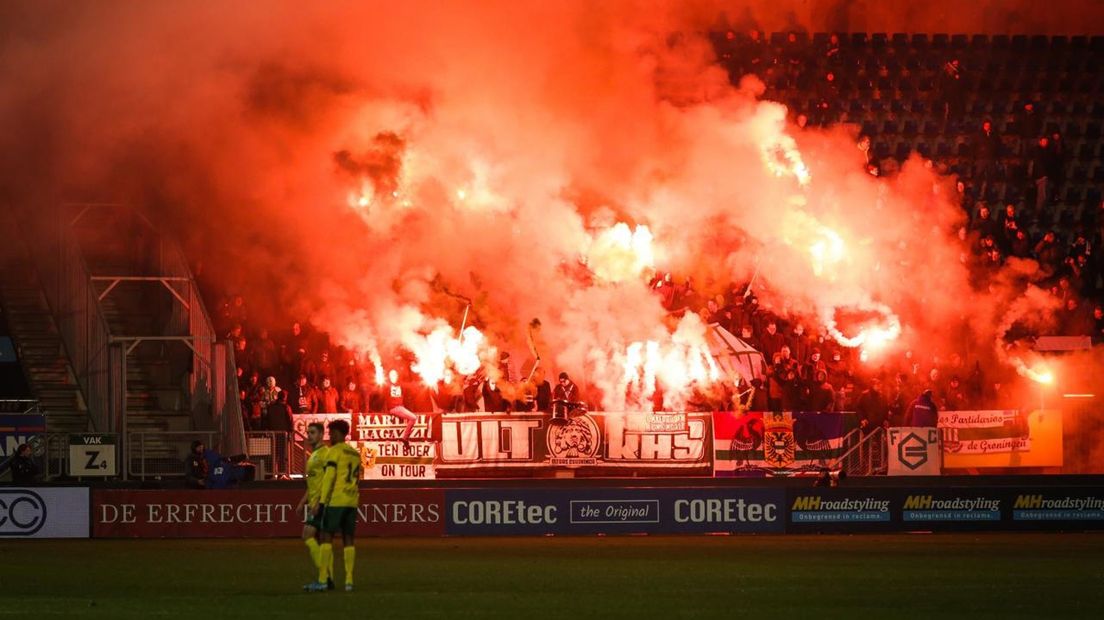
(988, 439)
(528, 444)
(913, 451)
(509, 512)
(46, 512)
(394, 459)
(16, 429)
(303, 420)
(260, 513)
(757, 443)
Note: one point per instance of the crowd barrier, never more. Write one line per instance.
(718, 444)
(77, 512)
(615, 445)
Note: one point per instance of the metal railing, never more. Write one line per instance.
(867, 455)
(271, 451)
(162, 454)
(22, 406)
(213, 385)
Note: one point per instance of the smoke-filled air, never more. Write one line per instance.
(450, 181)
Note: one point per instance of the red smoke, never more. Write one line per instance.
(374, 166)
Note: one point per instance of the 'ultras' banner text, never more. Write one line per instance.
(528, 445)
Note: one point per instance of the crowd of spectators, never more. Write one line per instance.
(998, 113)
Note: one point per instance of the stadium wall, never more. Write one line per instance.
(538, 510)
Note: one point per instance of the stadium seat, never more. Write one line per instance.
(940, 41)
(1001, 42)
(959, 42)
(1019, 42)
(979, 42)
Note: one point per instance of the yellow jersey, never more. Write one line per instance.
(340, 485)
(316, 468)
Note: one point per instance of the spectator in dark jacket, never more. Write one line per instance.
(923, 411)
(492, 397)
(301, 397)
(23, 468)
(195, 466)
(771, 340)
(822, 396)
(279, 414)
(872, 408)
(328, 397)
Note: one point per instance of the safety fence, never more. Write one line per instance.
(163, 454)
(632, 444)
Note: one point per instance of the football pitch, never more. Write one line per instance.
(899, 576)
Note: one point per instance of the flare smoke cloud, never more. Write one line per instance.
(377, 166)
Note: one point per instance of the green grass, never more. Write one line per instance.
(900, 576)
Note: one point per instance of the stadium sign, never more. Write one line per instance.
(54, 512)
(1069, 505)
(92, 455)
(827, 509)
(938, 506)
(537, 511)
(262, 513)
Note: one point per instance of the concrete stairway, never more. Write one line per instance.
(35, 333)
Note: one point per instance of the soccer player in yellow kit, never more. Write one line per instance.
(341, 496)
(315, 469)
